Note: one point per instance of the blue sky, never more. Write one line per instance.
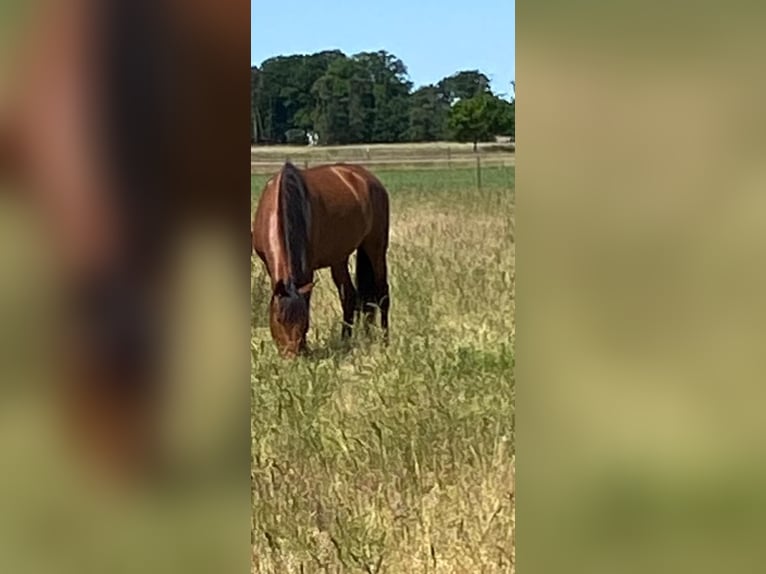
(433, 38)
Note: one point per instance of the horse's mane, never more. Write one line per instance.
(292, 308)
(296, 222)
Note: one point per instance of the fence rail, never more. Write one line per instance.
(478, 162)
(501, 160)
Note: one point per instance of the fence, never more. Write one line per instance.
(416, 156)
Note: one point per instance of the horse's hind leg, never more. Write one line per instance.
(382, 293)
(365, 282)
(384, 302)
(347, 294)
(372, 280)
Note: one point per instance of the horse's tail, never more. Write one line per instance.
(296, 221)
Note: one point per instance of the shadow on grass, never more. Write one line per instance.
(336, 346)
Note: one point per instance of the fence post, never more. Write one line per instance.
(478, 171)
(306, 164)
(449, 157)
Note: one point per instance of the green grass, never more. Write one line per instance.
(369, 458)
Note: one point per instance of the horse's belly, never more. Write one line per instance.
(335, 242)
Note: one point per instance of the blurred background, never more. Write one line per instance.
(640, 287)
(124, 309)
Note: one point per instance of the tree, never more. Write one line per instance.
(505, 118)
(275, 87)
(344, 103)
(473, 119)
(285, 100)
(365, 98)
(482, 117)
(255, 122)
(428, 115)
(314, 66)
(368, 97)
(391, 88)
(464, 85)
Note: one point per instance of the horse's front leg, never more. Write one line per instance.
(347, 294)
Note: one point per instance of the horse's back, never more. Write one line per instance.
(334, 181)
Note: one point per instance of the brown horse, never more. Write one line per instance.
(315, 218)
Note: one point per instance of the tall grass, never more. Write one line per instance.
(369, 458)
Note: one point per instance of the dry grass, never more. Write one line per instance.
(398, 459)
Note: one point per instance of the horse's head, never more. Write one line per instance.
(289, 317)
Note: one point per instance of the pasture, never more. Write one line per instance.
(369, 458)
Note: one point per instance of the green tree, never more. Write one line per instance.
(365, 98)
(474, 119)
(389, 107)
(428, 115)
(368, 98)
(285, 100)
(344, 103)
(505, 118)
(275, 88)
(463, 85)
(314, 66)
(255, 122)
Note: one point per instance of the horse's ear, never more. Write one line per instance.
(280, 290)
(306, 288)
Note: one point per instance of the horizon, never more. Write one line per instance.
(487, 45)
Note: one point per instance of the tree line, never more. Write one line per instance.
(368, 98)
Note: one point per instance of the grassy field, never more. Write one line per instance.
(398, 459)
